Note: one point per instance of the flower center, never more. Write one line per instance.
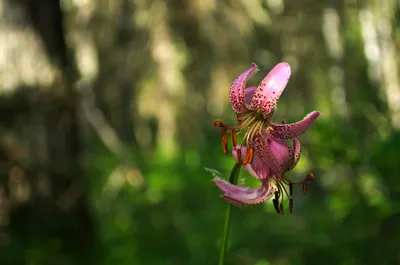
(251, 121)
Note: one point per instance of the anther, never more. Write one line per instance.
(233, 134)
(309, 177)
(291, 189)
(224, 141)
(304, 191)
(275, 202)
(282, 209)
(251, 154)
(290, 205)
(248, 157)
(239, 156)
(218, 123)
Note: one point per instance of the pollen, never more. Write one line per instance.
(248, 157)
(251, 121)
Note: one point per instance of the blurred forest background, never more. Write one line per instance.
(106, 113)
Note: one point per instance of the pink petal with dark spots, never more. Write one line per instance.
(296, 152)
(239, 195)
(271, 88)
(262, 169)
(292, 130)
(257, 168)
(263, 153)
(237, 89)
(282, 152)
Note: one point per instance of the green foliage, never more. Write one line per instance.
(164, 71)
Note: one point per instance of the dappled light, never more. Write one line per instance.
(107, 111)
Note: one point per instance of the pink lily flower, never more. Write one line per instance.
(254, 107)
(271, 185)
(266, 154)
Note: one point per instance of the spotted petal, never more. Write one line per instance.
(237, 91)
(240, 196)
(283, 154)
(292, 130)
(296, 153)
(271, 88)
(257, 168)
(263, 152)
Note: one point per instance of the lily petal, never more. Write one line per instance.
(282, 152)
(263, 152)
(271, 88)
(296, 153)
(292, 130)
(237, 93)
(248, 94)
(244, 195)
(257, 168)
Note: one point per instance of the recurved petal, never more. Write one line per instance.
(282, 152)
(271, 88)
(292, 130)
(240, 196)
(248, 94)
(265, 156)
(257, 168)
(296, 152)
(237, 93)
(262, 170)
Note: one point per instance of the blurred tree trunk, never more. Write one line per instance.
(42, 192)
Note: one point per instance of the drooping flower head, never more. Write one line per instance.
(254, 107)
(267, 156)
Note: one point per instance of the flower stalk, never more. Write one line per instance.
(233, 178)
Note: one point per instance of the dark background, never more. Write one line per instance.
(106, 113)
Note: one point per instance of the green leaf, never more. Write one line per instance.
(214, 173)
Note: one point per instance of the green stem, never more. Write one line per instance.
(225, 233)
(224, 244)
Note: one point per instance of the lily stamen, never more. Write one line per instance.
(307, 178)
(224, 141)
(282, 191)
(304, 190)
(233, 134)
(304, 182)
(248, 157)
(251, 121)
(239, 157)
(276, 203)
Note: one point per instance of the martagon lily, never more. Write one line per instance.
(254, 107)
(266, 154)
